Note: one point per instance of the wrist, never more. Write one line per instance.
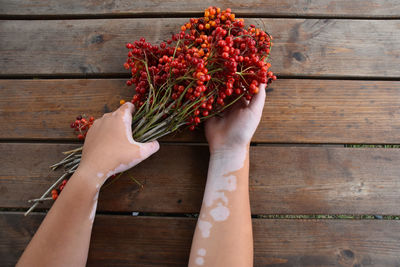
(89, 177)
(229, 150)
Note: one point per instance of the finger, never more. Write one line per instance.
(129, 106)
(148, 149)
(258, 101)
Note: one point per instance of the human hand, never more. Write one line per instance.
(109, 147)
(237, 125)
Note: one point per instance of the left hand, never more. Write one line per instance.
(109, 147)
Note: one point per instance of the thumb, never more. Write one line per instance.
(128, 106)
(148, 149)
(258, 101)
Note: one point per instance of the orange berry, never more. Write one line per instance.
(232, 17)
(218, 10)
(223, 17)
(213, 23)
(121, 102)
(206, 13)
(207, 26)
(183, 28)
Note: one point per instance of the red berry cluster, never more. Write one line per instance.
(56, 192)
(211, 62)
(82, 125)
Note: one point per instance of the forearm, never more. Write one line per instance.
(223, 235)
(64, 235)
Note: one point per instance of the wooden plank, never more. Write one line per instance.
(283, 180)
(163, 241)
(296, 111)
(328, 47)
(341, 8)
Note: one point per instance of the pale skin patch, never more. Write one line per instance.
(200, 261)
(93, 211)
(219, 213)
(204, 228)
(201, 252)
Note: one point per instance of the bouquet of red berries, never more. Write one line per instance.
(207, 66)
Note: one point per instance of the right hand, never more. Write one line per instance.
(237, 125)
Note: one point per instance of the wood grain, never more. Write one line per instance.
(283, 180)
(338, 8)
(152, 241)
(327, 47)
(296, 111)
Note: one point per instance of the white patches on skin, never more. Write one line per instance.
(204, 227)
(100, 175)
(123, 167)
(145, 150)
(93, 211)
(220, 213)
(201, 252)
(199, 261)
(219, 181)
(219, 185)
(127, 119)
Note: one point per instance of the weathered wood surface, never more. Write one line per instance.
(327, 47)
(283, 180)
(337, 8)
(296, 111)
(149, 241)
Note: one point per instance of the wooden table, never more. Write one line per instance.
(339, 83)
